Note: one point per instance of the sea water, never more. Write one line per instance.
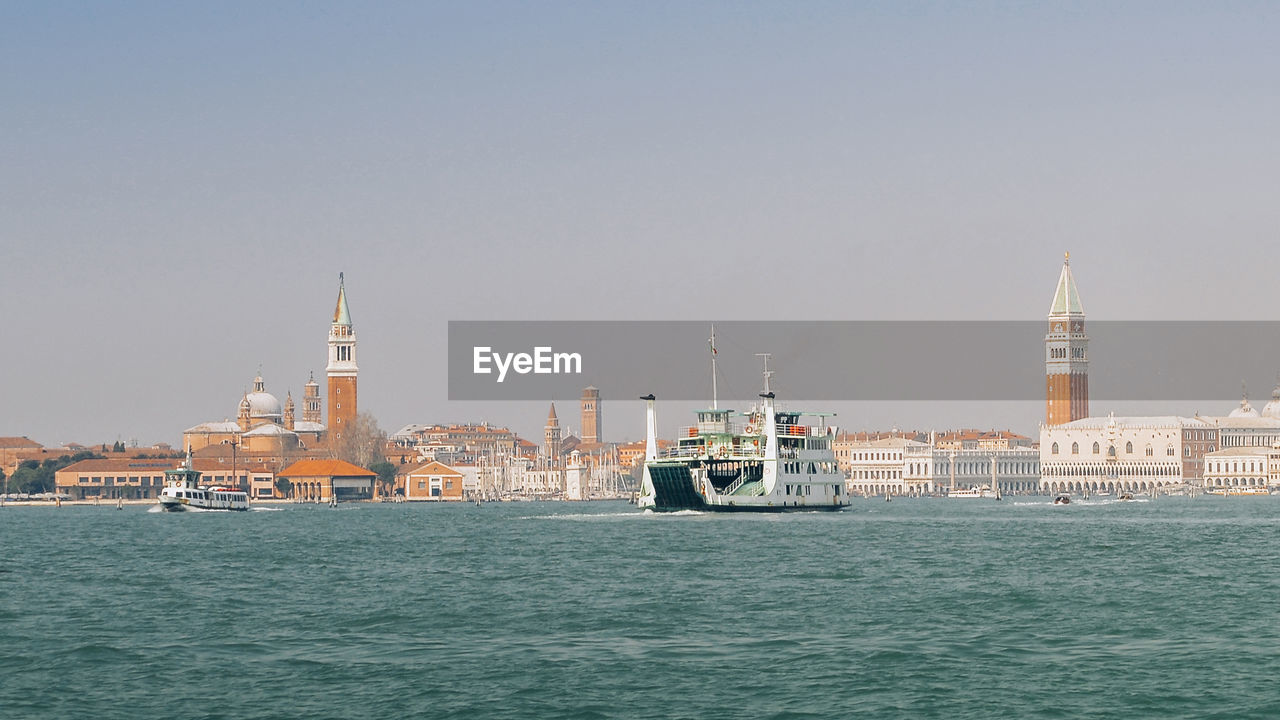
(923, 608)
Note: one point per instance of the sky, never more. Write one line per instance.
(181, 183)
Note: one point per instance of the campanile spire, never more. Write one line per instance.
(1066, 353)
(342, 368)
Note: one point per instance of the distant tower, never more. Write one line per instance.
(1066, 359)
(552, 435)
(242, 416)
(591, 432)
(311, 411)
(342, 367)
(288, 411)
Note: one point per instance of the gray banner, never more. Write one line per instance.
(854, 360)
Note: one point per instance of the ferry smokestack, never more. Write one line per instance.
(651, 429)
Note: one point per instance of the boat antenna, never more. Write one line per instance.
(767, 372)
(714, 400)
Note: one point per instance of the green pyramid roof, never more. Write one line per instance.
(1066, 299)
(341, 315)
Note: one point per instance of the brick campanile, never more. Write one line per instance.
(1066, 359)
(590, 401)
(342, 367)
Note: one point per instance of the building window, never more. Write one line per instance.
(1075, 448)
(1128, 447)
(1054, 449)
(1096, 449)
(1168, 450)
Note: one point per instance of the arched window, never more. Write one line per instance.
(1075, 448)
(1128, 447)
(1150, 451)
(1054, 449)
(1168, 450)
(1096, 449)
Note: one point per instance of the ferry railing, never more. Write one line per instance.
(739, 452)
(716, 428)
(733, 486)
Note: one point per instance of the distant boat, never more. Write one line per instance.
(1062, 499)
(1125, 497)
(1238, 491)
(975, 492)
(182, 491)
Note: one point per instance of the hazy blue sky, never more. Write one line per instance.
(180, 183)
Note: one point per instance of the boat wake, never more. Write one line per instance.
(605, 516)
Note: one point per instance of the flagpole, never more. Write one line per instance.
(714, 405)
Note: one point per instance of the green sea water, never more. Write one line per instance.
(916, 608)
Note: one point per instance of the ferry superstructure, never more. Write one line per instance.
(773, 461)
(182, 491)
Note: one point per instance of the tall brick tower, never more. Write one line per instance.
(1066, 359)
(342, 367)
(591, 415)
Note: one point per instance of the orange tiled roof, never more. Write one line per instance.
(431, 467)
(155, 465)
(16, 443)
(325, 468)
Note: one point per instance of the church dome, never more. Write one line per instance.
(1245, 410)
(262, 404)
(1272, 409)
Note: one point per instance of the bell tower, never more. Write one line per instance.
(311, 410)
(551, 434)
(1066, 358)
(590, 402)
(342, 367)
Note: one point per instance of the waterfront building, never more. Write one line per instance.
(1238, 467)
(891, 465)
(13, 450)
(962, 459)
(1124, 454)
(1066, 354)
(432, 481)
(143, 478)
(328, 480)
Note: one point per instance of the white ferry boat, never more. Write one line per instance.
(974, 492)
(772, 462)
(182, 491)
(1238, 491)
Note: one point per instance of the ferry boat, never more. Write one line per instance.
(1238, 491)
(974, 492)
(772, 462)
(182, 491)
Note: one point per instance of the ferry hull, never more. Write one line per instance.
(673, 490)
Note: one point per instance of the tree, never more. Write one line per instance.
(362, 442)
(283, 486)
(386, 476)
